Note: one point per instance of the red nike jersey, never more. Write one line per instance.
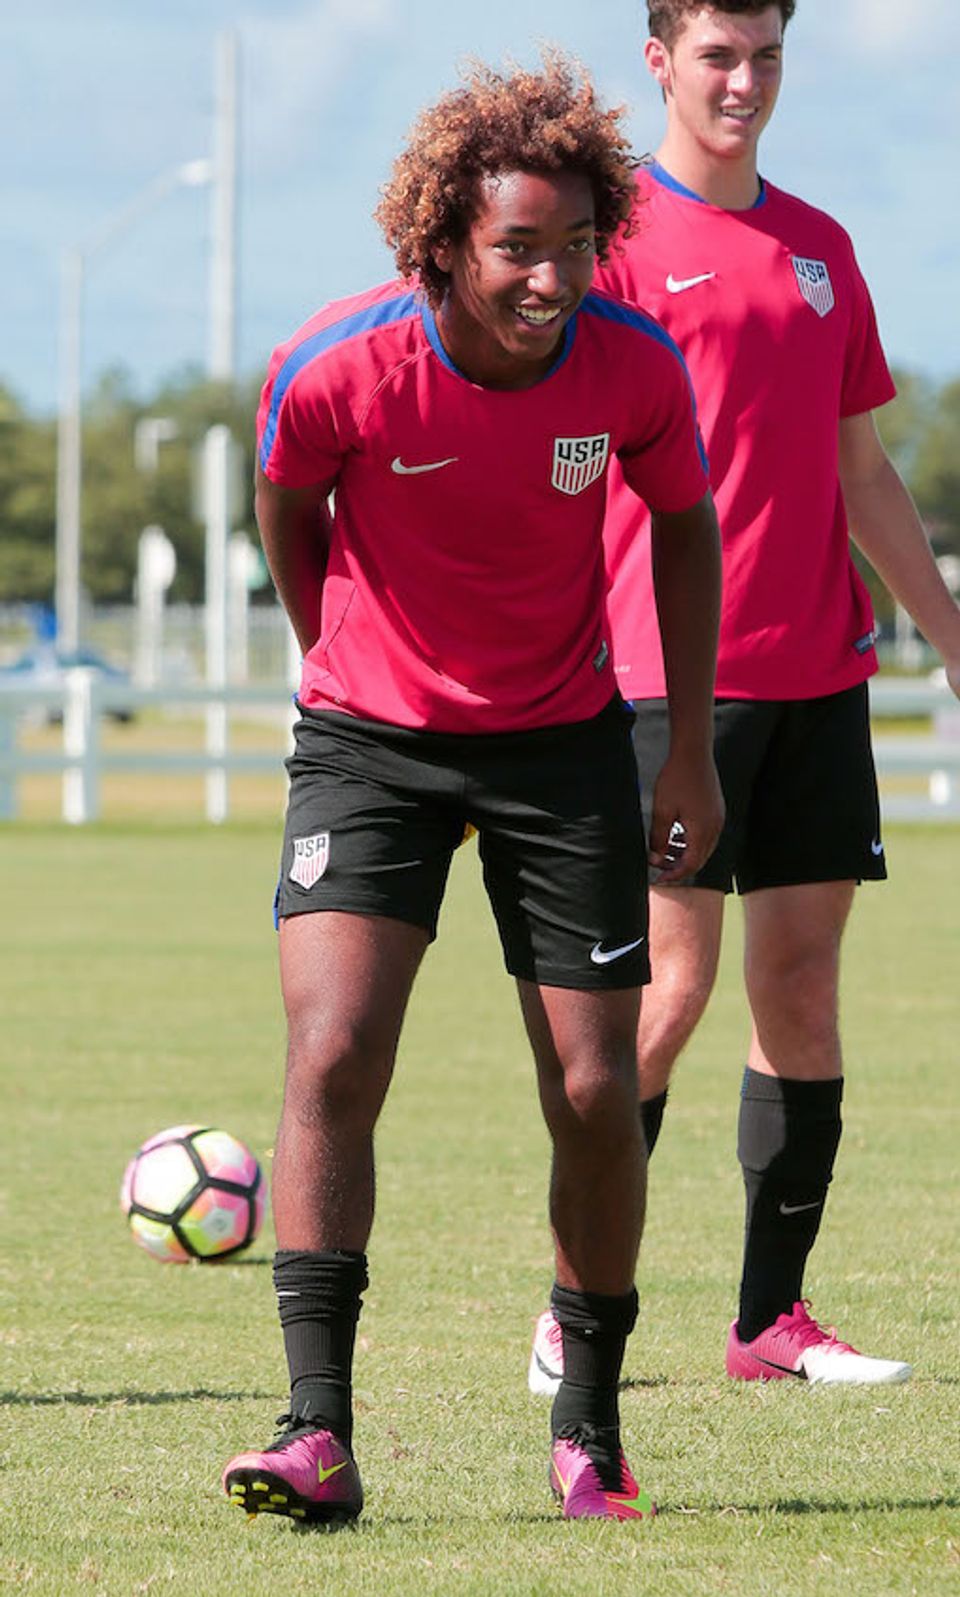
(775, 322)
(465, 583)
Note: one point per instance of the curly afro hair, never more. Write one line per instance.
(520, 121)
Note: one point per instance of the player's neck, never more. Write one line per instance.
(730, 184)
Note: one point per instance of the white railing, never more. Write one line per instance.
(86, 697)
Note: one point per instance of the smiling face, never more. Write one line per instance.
(518, 276)
(720, 79)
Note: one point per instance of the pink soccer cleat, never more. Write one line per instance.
(591, 1479)
(795, 1345)
(306, 1474)
(545, 1371)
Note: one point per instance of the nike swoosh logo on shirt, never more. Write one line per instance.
(676, 285)
(798, 1208)
(876, 848)
(413, 471)
(606, 956)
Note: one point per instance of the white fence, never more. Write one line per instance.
(931, 763)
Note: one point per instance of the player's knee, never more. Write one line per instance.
(335, 1074)
(601, 1094)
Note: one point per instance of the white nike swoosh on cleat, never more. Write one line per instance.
(602, 956)
(401, 470)
(677, 285)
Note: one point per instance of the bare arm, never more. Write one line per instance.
(885, 525)
(294, 528)
(686, 574)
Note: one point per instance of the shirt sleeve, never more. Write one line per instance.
(665, 463)
(866, 377)
(299, 433)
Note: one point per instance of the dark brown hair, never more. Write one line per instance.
(667, 17)
(516, 121)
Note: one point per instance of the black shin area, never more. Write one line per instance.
(318, 1296)
(651, 1117)
(788, 1137)
(595, 1330)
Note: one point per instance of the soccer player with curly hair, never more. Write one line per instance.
(457, 672)
(764, 296)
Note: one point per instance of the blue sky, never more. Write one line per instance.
(102, 97)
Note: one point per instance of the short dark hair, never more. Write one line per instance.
(547, 121)
(666, 17)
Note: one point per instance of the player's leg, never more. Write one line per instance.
(815, 815)
(583, 1044)
(686, 922)
(561, 839)
(366, 853)
(685, 930)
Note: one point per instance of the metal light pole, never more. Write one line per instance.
(190, 174)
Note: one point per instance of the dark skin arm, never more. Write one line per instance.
(294, 528)
(685, 548)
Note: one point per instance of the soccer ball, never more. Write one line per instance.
(193, 1192)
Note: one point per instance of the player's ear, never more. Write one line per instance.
(442, 256)
(657, 57)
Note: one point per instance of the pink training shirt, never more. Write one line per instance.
(464, 589)
(775, 323)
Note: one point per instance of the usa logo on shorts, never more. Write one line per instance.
(577, 462)
(813, 281)
(311, 856)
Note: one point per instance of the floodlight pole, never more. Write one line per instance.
(190, 174)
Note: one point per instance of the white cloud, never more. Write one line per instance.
(915, 27)
(297, 65)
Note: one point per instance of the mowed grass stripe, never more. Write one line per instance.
(138, 989)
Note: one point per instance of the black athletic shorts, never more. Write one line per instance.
(376, 811)
(800, 787)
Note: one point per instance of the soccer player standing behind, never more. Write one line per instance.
(764, 297)
(457, 671)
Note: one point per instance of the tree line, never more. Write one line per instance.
(921, 430)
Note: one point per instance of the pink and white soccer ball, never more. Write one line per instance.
(193, 1192)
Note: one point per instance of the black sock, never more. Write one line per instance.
(787, 1143)
(651, 1116)
(595, 1330)
(318, 1295)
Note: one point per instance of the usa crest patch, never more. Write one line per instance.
(813, 281)
(577, 462)
(311, 856)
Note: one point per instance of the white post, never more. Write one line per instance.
(223, 214)
(156, 569)
(241, 564)
(69, 452)
(81, 745)
(8, 745)
(216, 448)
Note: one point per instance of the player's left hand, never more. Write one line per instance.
(688, 815)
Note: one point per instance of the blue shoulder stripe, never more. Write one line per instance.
(614, 310)
(379, 315)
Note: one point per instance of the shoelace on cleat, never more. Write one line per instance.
(802, 1328)
(602, 1446)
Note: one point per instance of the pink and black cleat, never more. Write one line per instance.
(591, 1479)
(306, 1474)
(796, 1346)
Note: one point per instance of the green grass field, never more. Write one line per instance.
(138, 989)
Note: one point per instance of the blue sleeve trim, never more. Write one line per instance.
(381, 314)
(614, 310)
